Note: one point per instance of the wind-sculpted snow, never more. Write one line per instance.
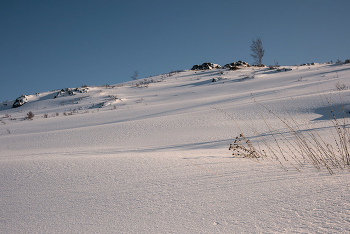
(154, 158)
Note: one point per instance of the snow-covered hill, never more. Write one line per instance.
(151, 155)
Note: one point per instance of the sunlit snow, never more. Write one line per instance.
(151, 156)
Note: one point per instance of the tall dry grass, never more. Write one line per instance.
(296, 146)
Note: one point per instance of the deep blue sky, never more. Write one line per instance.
(50, 44)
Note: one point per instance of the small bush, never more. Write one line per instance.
(338, 62)
(113, 97)
(242, 147)
(30, 115)
(341, 87)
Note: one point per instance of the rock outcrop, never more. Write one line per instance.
(236, 65)
(70, 92)
(20, 101)
(206, 66)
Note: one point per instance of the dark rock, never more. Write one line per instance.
(206, 66)
(20, 101)
(71, 92)
(195, 67)
(229, 65)
(236, 65)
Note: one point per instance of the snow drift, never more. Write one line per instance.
(154, 158)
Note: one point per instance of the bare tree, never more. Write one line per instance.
(134, 76)
(258, 51)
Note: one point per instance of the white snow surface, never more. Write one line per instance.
(154, 158)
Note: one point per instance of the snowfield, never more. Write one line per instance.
(151, 156)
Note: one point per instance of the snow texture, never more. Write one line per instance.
(154, 158)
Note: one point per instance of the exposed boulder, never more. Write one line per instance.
(20, 101)
(236, 65)
(229, 65)
(206, 66)
(242, 64)
(71, 92)
(307, 64)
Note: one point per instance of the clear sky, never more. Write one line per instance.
(50, 44)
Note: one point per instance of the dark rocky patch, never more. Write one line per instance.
(70, 92)
(236, 65)
(20, 101)
(206, 66)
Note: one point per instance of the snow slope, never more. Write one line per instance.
(151, 156)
